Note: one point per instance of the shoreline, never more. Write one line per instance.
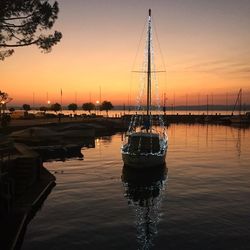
(28, 179)
(100, 124)
(114, 124)
(47, 184)
(14, 224)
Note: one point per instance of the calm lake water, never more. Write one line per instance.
(200, 200)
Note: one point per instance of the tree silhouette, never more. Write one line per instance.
(11, 109)
(26, 107)
(56, 107)
(106, 105)
(4, 97)
(88, 106)
(43, 109)
(25, 22)
(72, 107)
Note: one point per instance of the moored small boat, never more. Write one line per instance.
(145, 146)
(144, 150)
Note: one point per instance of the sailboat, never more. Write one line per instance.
(145, 146)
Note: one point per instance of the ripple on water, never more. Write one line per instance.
(201, 203)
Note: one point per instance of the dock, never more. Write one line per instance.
(24, 185)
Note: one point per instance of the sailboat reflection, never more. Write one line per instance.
(144, 191)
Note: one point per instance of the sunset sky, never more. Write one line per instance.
(205, 46)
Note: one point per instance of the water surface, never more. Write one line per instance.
(199, 200)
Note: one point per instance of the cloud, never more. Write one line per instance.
(236, 67)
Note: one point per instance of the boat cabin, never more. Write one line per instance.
(143, 143)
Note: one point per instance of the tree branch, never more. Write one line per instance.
(17, 18)
(22, 23)
(17, 45)
(12, 33)
(14, 25)
(4, 54)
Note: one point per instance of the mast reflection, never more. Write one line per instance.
(145, 191)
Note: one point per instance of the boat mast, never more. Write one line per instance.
(149, 65)
(238, 101)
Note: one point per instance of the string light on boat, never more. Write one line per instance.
(137, 122)
(139, 106)
(156, 84)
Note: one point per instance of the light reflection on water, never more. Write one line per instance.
(145, 192)
(97, 204)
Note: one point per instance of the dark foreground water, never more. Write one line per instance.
(200, 200)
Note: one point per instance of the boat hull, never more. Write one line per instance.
(143, 161)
